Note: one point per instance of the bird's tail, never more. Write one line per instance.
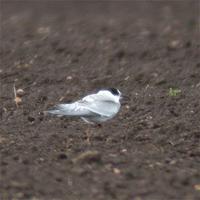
(68, 110)
(55, 112)
(59, 110)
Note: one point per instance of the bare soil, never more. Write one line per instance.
(59, 52)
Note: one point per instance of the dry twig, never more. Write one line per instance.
(17, 99)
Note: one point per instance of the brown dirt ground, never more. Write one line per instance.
(63, 51)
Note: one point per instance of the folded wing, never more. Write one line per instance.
(84, 108)
(73, 109)
(103, 108)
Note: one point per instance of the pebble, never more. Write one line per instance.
(116, 171)
(69, 77)
(197, 187)
(20, 92)
(174, 44)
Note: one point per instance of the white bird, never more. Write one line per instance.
(93, 108)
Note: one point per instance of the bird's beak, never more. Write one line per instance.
(124, 97)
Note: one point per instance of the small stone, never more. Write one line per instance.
(174, 44)
(69, 77)
(197, 187)
(127, 107)
(116, 171)
(124, 150)
(20, 92)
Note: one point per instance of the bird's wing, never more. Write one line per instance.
(96, 97)
(73, 109)
(104, 108)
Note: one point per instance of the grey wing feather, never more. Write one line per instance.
(73, 109)
(104, 108)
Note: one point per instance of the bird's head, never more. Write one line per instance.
(117, 94)
(111, 94)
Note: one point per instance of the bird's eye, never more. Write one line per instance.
(114, 91)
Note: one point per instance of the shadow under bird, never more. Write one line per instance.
(93, 108)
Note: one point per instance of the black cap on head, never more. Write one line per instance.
(114, 91)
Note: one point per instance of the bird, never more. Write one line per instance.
(93, 108)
